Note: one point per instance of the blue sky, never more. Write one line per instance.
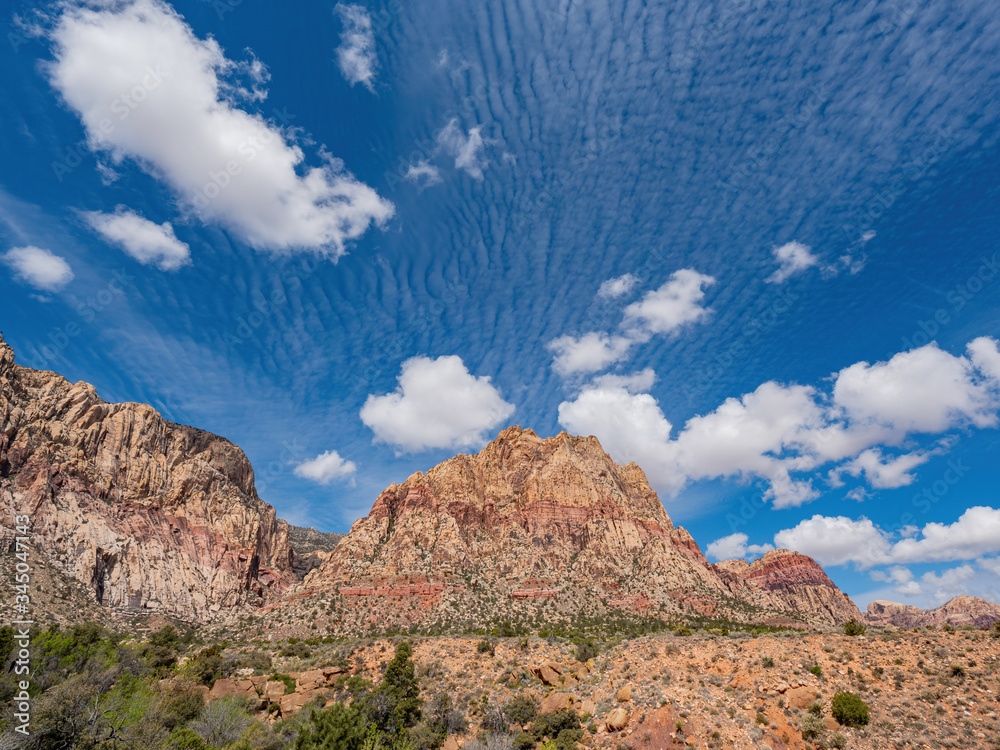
(750, 246)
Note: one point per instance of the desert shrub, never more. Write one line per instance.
(289, 682)
(682, 630)
(485, 647)
(551, 725)
(586, 650)
(838, 741)
(338, 727)
(849, 709)
(521, 710)
(812, 726)
(395, 704)
(524, 741)
(957, 670)
(854, 627)
(185, 739)
(494, 719)
(816, 669)
(296, 650)
(816, 709)
(180, 706)
(258, 661)
(442, 717)
(206, 666)
(767, 662)
(222, 721)
(423, 737)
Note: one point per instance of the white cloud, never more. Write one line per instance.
(617, 287)
(466, 149)
(950, 583)
(671, 306)
(637, 382)
(438, 404)
(39, 268)
(990, 564)
(147, 242)
(146, 88)
(836, 540)
(925, 390)
(356, 53)
(326, 468)
(975, 533)
(588, 353)
(793, 257)
(782, 433)
(886, 472)
(424, 174)
(735, 546)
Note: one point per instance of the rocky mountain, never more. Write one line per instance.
(149, 515)
(962, 610)
(530, 523)
(309, 547)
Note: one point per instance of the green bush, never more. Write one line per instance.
(484, 647)
(338, 727)
(816, 669)
(551, 725)
(521, 710)
(838, 741)
(816, 709)
(206, 666)
(423, 737)
(767, 662)
(854, 627)
(849, 709)
(185, 739)
(289, 682)
(525, 741)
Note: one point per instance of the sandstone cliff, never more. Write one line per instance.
(557, 520)
(150, 515)
(962, 610)
(792, 581)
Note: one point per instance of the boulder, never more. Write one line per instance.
(293, 702)
(587, 707)
(624, 695)
(547, 675)
(274, 690)
(310, 680)
(555, 702)
(800, 697)
(224, 688)
(617, 719)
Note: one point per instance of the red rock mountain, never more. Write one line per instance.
(151, 516)
(486, 536)
(962, 610)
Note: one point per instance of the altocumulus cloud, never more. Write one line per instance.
(326, 468)
(437, 404)
(784, 434)
(793, 257)
(39, 268)
(147, 242)
(356, 53)
(146, 88)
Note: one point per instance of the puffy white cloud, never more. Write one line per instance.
(782, 433)
(147, 242)
(467, 149)
(326, 468)
(885, 472)
(588, 353)
(950, 583)
(356, 53)
(637, 382)
(836, 540)
(735, 546)
(146, 88)
(617, 287)
(424, 174)
(975, 533)
(990, 564)
(438, 404)
(793, 257)
(39, 268)
(924, 390)
(677, 302)
(985, 357)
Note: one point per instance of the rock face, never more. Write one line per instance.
(309, 547)
(962, 610)
(793, 582)
(528, 520)
(150, 515)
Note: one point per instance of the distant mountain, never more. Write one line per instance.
(962, 610)
(309, 547)
(150, 516)
(536, 529)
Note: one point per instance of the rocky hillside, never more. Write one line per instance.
(962, 610)
(309, 547)
(149, 515)
(542, 529)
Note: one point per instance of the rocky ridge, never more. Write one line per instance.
(959, 611)
(150, 515)
(528, 521)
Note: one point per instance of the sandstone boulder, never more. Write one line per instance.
(617, 719)
(555, 702)
(800, 697)
(624, 695)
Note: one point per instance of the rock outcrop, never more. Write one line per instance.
(528, 522)
(150, 515)
(309, 547)
(962, 610)
(793, 582)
